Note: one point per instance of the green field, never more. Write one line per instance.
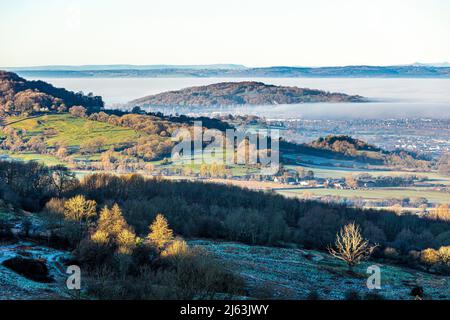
(194, 163)
(374, 194)
(435, 197)
(72, 131)
(42, 158)
(340, 172)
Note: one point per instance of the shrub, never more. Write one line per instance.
(176, 249)
(390, 253)
(414, 254)
(199, 276)
(196, 274)
(192, 275)
(429, 257)
(444, 255)
(93, 253)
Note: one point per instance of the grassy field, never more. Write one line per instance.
(321, 161)
(73, 131)
(374, 194)
(340, 172)
(378, 193)
(42, 158)
(194, 163)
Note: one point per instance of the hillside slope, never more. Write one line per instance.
(347, 148)
(279, 273)
(64, 129)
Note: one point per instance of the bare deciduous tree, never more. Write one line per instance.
(350, 246)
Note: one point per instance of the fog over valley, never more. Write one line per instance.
(390, 98)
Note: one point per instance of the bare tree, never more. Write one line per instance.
(350, 246)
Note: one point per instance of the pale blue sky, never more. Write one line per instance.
(250, 32)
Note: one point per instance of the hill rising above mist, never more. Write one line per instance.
(242, 93)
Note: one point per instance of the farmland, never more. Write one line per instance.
(73, 131)
(374, 194)
(58, 130)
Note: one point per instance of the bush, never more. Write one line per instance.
(103, 283)
(91, 253)
(197, 275)
(177, 249)
(194, 275)
(444, 255)
(429, 257)
(390, 253)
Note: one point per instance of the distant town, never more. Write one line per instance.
(427, 136)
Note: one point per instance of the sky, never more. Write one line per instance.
(248, 32)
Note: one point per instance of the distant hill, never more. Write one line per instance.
(345, 147)
(126, 67)
(343, 144)
(437, 64)
(242, 93)
(19, 96)
(236, 71)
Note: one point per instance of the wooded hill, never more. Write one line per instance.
(346, 147)
(20, 97)
(242, 93)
